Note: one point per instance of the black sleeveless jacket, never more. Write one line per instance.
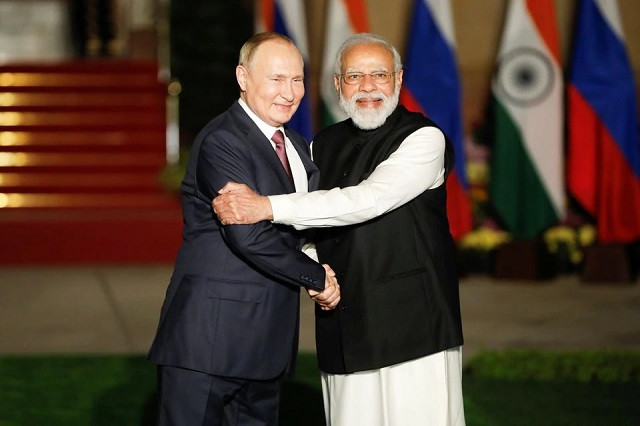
(397, 272)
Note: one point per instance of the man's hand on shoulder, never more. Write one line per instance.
(237, 204)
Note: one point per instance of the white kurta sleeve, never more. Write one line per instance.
(417, 165)
(310, 250)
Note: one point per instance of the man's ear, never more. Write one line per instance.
(399, 78)
(241, 76)
(336, 83)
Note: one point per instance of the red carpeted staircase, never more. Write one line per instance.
(81, 147)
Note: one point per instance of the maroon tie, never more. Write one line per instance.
(281, 152)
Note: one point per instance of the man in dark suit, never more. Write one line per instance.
(228, 328)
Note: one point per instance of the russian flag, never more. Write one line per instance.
(287, 17)
(431, 85)
(603, 167)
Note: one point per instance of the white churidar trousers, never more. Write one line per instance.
(425, 391)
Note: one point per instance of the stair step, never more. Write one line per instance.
(37, 78)
(66, 100)
(86, 236)
(159, 89)
(81, 147)
(77, 182)
(109, 138)
(79, 168)
(38, 159)
(82, 109)
(104, 127)
(81, 118)
(82, 214)
(123, 200)
(86, 148)
(84, 66)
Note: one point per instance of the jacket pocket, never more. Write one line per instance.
(400, 275)
(239, 291)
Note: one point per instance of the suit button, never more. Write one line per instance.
(345, 173)
(337, 240)
(343, 307)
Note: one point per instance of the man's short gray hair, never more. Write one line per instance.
(367, 38)
(250, 47)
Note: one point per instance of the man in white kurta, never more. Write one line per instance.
(425, 390)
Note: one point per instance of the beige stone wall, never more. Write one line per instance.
(478, 26)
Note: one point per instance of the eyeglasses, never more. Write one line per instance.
(378, 77)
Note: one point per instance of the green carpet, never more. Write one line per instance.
(119, 390)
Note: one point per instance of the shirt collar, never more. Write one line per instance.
(265, 128)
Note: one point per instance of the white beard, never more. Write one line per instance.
(370, 118)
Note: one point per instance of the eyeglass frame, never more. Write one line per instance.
(363, 74)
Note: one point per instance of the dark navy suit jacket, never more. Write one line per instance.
(232, 305)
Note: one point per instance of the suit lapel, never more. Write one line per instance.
(257, 142)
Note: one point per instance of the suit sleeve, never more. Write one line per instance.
(224, 158)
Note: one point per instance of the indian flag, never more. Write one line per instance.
(344, 19)
(527, 176)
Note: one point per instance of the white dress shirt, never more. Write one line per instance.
(298, 171)
(417, 165)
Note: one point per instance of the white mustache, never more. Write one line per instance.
(370, 95)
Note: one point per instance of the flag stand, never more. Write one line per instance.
(524, 260)
(606, 264)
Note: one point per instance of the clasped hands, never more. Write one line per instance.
(237, 204)
(330, 296)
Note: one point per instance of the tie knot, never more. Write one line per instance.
(278, 138)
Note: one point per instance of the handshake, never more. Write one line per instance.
(330, 296)
(238, 204)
